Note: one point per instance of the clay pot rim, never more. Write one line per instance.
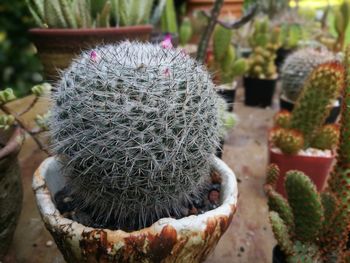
(89, 31)
(13, 145)
(194, 223)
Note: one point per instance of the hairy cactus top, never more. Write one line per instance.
(136, 126)
(298, 66)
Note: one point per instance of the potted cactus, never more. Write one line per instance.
(226, 65)
(67, 27)
(312, 226)
(260, 79)
(134, 129)
(11, 138)
(300, 140)
(296, 69)
(10, 182)
(309, 226)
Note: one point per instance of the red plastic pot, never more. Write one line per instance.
(316, 167)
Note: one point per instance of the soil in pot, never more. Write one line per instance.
(210, 199)
(10, 189)
(259, 92)
(286, 104)
(57, 47)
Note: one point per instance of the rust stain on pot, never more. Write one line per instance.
(161, 245)
(95, 246)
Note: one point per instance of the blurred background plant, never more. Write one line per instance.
(20, 69)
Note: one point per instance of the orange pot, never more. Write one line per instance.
(315, 167)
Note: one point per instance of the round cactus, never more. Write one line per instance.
(136, 126)
(298, 66)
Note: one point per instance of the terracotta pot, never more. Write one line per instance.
(230, 7)
(57, 47)
(315, 167)
(11, 192)
(189, 239)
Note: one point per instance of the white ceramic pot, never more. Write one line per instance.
(189, 239)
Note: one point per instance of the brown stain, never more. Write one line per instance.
(94, 246)
(161, 246)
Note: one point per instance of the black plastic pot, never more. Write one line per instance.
(228, 95)
(220, 149)
(288, 105)
(278, 255)
(282, 54)
(259, 92)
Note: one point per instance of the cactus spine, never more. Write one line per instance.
(145, 149)
(305, 123)
(324, 233)
(297, 68)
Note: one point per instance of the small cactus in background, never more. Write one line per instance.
(320, 226)
(146, 147)
(168, 18)
(225, 58)
(264, 43)
(288, 141)
(310, 111)
(297, 68)
(282, 119)
(291, 34)
(326, 137)
(185, 31)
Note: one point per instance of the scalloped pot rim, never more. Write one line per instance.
(189, 239)
(48, 208)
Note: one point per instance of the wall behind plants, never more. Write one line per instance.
(19, 67)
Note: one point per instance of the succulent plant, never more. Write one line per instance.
(227, 64)
(291, 34)
(136, 126)
(9, 119)
(318, 229)
(297, 68)
(168, 18)
(341, 23)
(93, 13)
(264, 42)
(310, 111)
(185, 31)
